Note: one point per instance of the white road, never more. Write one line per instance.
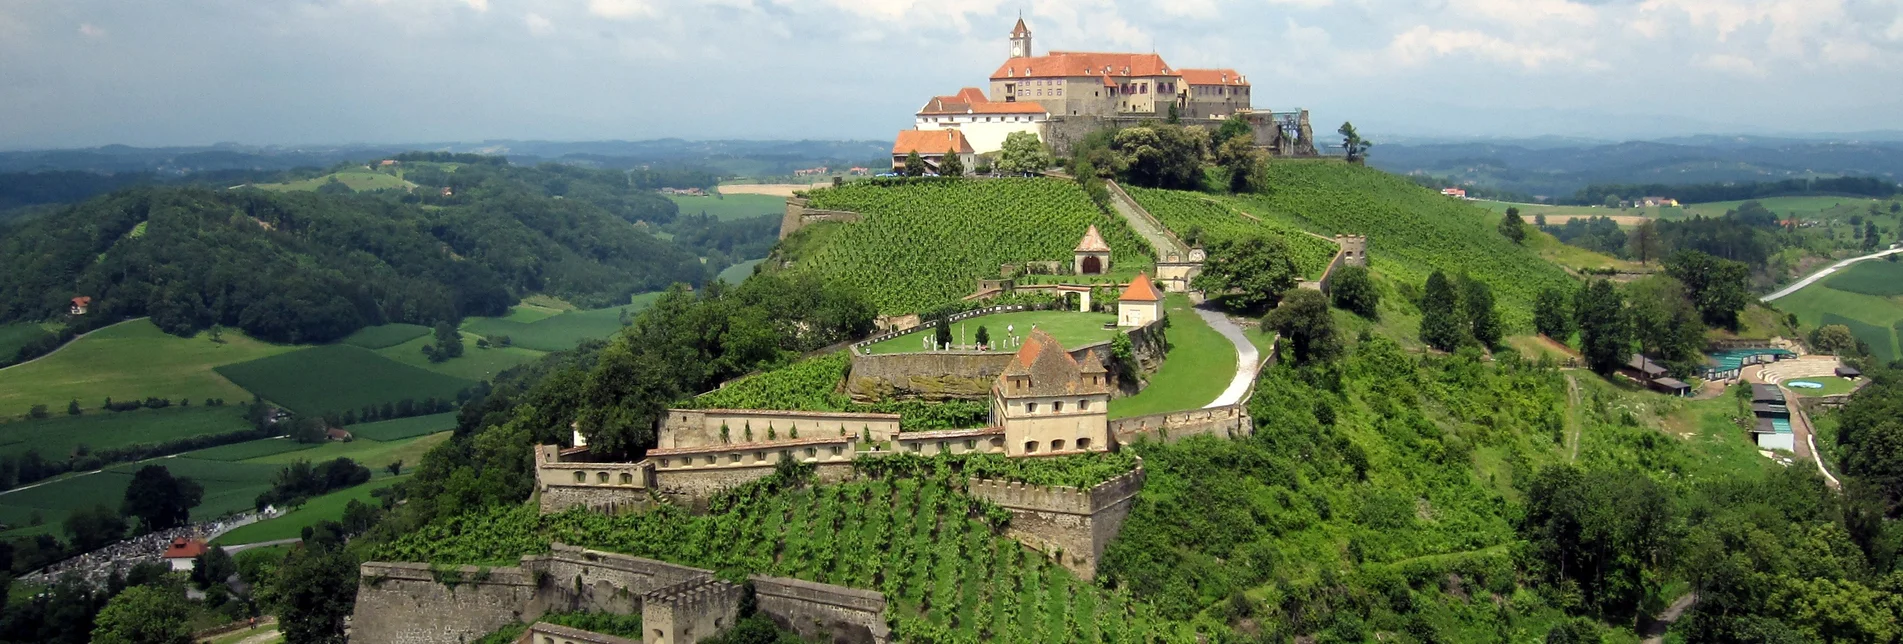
(1807, 281)
(1246, 357)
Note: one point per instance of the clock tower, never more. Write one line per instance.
(1020, 40)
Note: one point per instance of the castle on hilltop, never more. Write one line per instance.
(1061, 96)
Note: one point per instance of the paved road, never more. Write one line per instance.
(69, 343)
(1246, 357)
(1807, 281)
(232, 550)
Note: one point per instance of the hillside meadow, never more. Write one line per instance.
(61, 435)
(131, 360)
(328, 507)
(1858, 297)
(730, 206)
(339, 378)
(542, 327)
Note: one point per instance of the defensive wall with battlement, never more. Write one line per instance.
(1070, 525)
(968, 375)
(415, 603)
(701, 427)
(798, 216)
(1228, 421)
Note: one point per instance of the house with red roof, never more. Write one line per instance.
(1050, 403)
(180, 553)
(1080, 83)
(1141, 303)
(80, 305)
(933, 146)
(984, 123)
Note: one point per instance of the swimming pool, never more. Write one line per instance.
(1730, 359)
(1804, 384)
(1782, 425)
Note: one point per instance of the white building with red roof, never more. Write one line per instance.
(181, 553)
(1141, 303)
(933, 146)
(984, 123)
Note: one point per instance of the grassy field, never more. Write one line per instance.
(1876, 317)
(58, 436)
(337, 378)
(16, 335)
(731, 206)
(387, 335)
(371, 453)
(1070, 328)
(131, 360)
(476, 363)
(1832, 386)
(401, 428)
(329, 507)
(356, 178)
(229, 487)
(248, 450)
(1801, 207)
(738, 273)
(1878, 278)
(1200, 365)
(544, 328)
(1411, 230)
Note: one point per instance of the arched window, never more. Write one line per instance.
(1083, 443)
(1057, 445)
(1030, 446)
(1084, 405)
(1057, 407)
(627, 479)
(601, 477)
(581, 477)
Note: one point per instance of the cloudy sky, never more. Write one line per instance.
(167, 72)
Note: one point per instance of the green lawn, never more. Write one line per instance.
(58, 436)
(338, 378)
(131, 360)
(542, 328)
(738, 273)
(1198, 368)
(476, 363)
(387, 335)
(731, 206)
(229, 487)
(17, 335)
(1072, 329)
(329, 507)
(1877, 278)
(1819, 304)
(1832, 386)
(389, 430)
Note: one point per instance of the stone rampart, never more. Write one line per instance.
(822, 611)
(694, 488)
(606, 487)
(798, 216)
(1230, 421)
(1070, 525)
(939, 375)
(684, 428)
(544, 632)
(690, 611)
(414, 603)
(410, 603)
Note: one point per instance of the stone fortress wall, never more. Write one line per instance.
(699, 427)
(412, 603)
(1070, 525)
(798, 216)
(968, 375)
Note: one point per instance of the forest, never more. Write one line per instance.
(310, 267)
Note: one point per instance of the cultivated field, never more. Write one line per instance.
(1070, 328)
(229, 487)
(1188, 212)
(356, 178)
(60, 435)
(401, 428)
(731, 206)
(778, 190)
(476, 363)
(133, 360)
(338, 378)
(1871, 318)
(738, 273)
(544, 328)
(17, 335)
(386, 335)
(248, 450)
(371, 453)
(329, 507)
(1200, 365)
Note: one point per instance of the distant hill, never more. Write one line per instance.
(1536, 168)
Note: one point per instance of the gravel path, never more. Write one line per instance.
(1246, 357)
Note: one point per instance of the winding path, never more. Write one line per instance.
(1813, 277)
(1247, 358)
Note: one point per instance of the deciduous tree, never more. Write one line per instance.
(1482, 319)
(1443, 326)
(1304, 320)
(144, 615)
(1022, 153)
(1248, 271)
(160, 500)
(1352, 143)
(1605, 336)
(1512, 226)
(915, 165)
(1553, 315)
(1644, 243)
(951, 166)
(1353, 290)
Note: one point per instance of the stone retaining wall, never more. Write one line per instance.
(798, 215)
(823, 611)
(405, 603)
(1067, 524)
(1230, 421)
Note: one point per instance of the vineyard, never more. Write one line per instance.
(813, 385)
(922, 244)
(1183, 211)
(936, 553)
(1411, 230)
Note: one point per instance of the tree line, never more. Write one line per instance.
(1877, 187)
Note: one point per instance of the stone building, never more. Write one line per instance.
(1092, 256)
(984, 123)
(1050, 403)
(1075, 83)
(1140, 303)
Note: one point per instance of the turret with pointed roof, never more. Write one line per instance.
(1020, 40)
(1050, 402)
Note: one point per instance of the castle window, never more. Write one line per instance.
(666, 462)
(581, 477)
(601, 477)
(1084, 405)
(711, 459)
(914, 446)
(759, 457)
(971, 444)
(627, 479)
(733, 458)
(1030, 408)
(1030, 446)
(812, 452)
(1083, 443)
(1057, 407)
(943, 447)
(786, 454)
(1057, 445)
(835, 450)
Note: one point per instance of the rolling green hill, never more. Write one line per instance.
(133, 360)
(1863, 297)
(922, 243)
(544, 328)
(1412, 231)
(61, 435)
(339, 378)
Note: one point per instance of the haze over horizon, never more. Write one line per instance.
(90, 72)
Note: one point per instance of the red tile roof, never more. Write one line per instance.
(183, 548)
(1060, 64)
(931, 142)
(1212, 77)
(82, 301)
(1140, 290)
(1051, 370)
(940, 106)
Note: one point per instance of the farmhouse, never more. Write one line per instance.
(933, 146)
(80, 304)
(181, 552)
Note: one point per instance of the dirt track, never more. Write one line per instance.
(1623, 220)
(769, 189)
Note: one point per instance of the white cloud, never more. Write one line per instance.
(1729, 63)
(1422, 44)
(537, 24)
(478, 5)
(622, 8)
(90, 30)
